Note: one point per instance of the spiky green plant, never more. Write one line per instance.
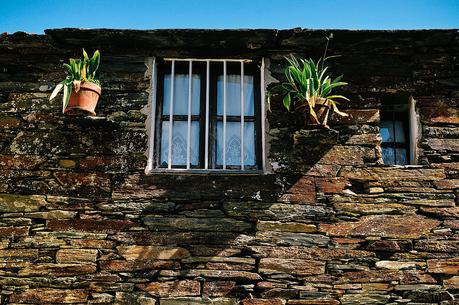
(78, 70)
(309, 86)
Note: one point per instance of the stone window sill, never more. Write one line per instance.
(200, 172)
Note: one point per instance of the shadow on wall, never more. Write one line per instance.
(210, 235)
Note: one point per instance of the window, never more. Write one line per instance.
(398, 132)
(207, 114)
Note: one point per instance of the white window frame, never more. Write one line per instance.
(151, 121)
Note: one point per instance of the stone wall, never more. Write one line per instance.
(81, 223)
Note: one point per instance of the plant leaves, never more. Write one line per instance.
(69, 68)
(85, 55)
(337, 96)
(56, 90)
(307, 82)
(76, 85)
(94, 63)
(66, 97)
(286, 101)
(335, 109)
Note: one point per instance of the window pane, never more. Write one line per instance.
(387, 131)
(179, 143)
(399, 131)
(388, 155)
(233, 143)
(233, 95)
(400, 156)
(181, 94)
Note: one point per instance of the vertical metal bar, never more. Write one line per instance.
(206, 148)
(188, 141)
(224, 114)
(171, 116)
(151, 144)
(242, 115)
(263, 101)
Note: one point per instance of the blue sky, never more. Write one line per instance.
(34, 16)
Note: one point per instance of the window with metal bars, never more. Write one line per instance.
(208, 115)
(395, 133)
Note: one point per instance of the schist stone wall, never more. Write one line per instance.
(81, 223)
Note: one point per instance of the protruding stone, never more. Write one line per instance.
(402, 227)
(365, 299)
(286, 226)
(54, 214)
(348, 155)
(445, 266)
(244, 276)
(6, 232)
(451, 283)
(76, 255)
(172, 289)
(196, 224)
(291, 238)
(67, 163)
(447, 184)
(10, 203)
(388, 173)
(390, 245)
(449, 246)
(129, 266)
(309, 253)
(133, 298)
(57, 269)
(21, 162)
(395, 265)
(291, 266)
(152, 252)
(218, 288)
(89, 225)
(443, 144)
(49, 295)
(276, 211)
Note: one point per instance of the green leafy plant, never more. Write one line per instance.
(309, 88)
(78, 70)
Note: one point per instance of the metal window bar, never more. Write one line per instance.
(224, 114)
(171, 115)
(206, 148)
(188, 142)
(242, 115)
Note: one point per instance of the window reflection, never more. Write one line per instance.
(394, 134)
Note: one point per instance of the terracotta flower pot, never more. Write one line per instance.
(84, 101)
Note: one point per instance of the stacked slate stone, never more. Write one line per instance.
(80, 222)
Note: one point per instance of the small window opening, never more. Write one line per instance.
(398, 128)
(394, 128)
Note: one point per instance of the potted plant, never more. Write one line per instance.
(309, 89)
(81, 89)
